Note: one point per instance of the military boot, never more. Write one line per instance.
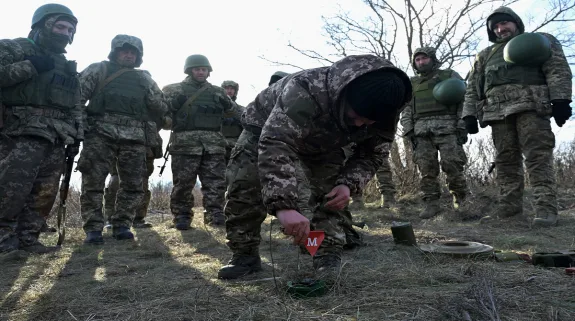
(183, 222)
(94, 238)
(327, 266)
(431, 209)
(122, 233)
(545, 220)
(240, 265)
(216, 219)
(387, 200)
(38, 248)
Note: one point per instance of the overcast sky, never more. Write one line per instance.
(232, 34)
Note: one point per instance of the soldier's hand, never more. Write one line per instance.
(41, 63)
(294, 224)
(471, 124)
(340, 196)
(561, 111)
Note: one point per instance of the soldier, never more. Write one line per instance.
(276, 77)
(384, 180)
(124, 104)
(517, 101)
(435, 126)
(302, 121)
(41, 94)
(231, 127)
(197, 145)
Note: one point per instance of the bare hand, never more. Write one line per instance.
(294, 224)
(339, 197)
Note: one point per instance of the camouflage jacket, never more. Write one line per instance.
(119, 127)
(197, 142)
(431, 125)
(34, 121)
(302, 116)
(504, 100)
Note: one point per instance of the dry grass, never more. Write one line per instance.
(166, 274)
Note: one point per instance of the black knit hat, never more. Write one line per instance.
(499, 17)
(376, 95)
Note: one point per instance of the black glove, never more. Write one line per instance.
(561, 111)
(461, 136)
(181, 100)
(41, 63)
(471, 124)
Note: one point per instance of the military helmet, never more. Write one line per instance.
(121, 41)
(527, 49)
(450, 91)
(428, 51)
(197, 61)
(51, 9)
(231, 83)
(277, 76)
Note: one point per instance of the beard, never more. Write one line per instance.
(127, 63)
(425, 68)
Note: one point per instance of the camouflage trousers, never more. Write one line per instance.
(98, 156)
(245, 211)
(524, 134)
(30, 173)
(453, 160)
(384, 178)
(210, 168)
(230, 143)
(111, 190)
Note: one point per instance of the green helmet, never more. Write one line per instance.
(277, 76)
(197, 61)
(120, 41)
(51, 9)
(231, 83)
(527, 49)
(449, 92)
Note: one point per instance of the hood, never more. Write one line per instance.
(430, 52)
(520, 26)
(344, 71)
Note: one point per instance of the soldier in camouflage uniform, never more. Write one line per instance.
(43, 114)
(432, 127)
(384, 179)
(517, 101)
(231, 127)
(125, 103)
(197, 145)
(302, 121)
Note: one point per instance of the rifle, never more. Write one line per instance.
(71, 152)
(491, 168)
(166, 155)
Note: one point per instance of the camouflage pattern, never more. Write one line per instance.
(302, 123)
(97, 157)
(231, 125)
(115, 138)
(120, 41)
(28, 185)
(210, 168)
(32, 148)
(443, 133)
(519, 118)
(111, 190)
(198, 152)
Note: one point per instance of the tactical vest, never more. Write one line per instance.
(56, 88)
(499, 72)
(205, 113)
(424, 103)
(231, 128)
(124, 95)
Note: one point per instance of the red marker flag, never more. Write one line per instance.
(314, 240)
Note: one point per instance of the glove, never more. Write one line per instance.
(41, 63)
(471, 124)
(561, 111)
(461, 136)
(73, 149)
